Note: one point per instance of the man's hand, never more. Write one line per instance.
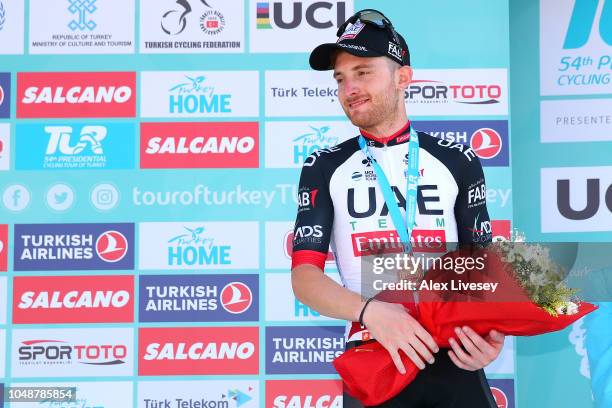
(480, 351)
(393, 327)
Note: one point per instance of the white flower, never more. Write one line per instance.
(537, 279)
(569, 308)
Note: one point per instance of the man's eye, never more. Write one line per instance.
(362, 73)
(338, 80)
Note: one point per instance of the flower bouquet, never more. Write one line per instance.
(530, 299)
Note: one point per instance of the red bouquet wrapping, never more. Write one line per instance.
(368, 371)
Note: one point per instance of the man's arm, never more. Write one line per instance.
(473, 227)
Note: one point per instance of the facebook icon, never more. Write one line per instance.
(16, 197)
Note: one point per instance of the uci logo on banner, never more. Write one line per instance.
(582, 23)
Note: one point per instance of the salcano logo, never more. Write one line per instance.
(199, 298)
(5, 95)
(304, 393)
(73, 247)
(198, 351)
(303, 350)
(199, 145)
(75, 146)
(73, 299)
(76, 94)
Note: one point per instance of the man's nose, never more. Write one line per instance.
(350, 88)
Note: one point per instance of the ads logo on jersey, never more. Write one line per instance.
(75, 146)
(199, 298)
(198, 351)
(73, 246)
(5, 95)
(288, 247)
(76, 94)
(73, 299)
(199, 145)
(3, 247)
(72, 352)
(304, 393)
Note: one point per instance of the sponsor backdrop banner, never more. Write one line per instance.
(561, 52)
(150, 152)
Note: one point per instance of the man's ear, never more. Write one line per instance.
(404, 76)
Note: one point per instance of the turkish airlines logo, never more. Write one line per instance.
(73, 299)
(236, 297)
(377, 242)
(198, 351)
(500, 397)
(304, 393)
(486, 142)
(200, 145)
(3, 247)
(76, 94)
(111, 246)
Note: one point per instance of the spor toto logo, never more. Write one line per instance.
(500, 397)
(236, 297)
(486, 143)
(111, 246)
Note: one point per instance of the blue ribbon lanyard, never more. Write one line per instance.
(404, 229)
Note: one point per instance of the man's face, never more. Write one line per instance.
(366, 88)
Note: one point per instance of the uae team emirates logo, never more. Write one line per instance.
(76, 94)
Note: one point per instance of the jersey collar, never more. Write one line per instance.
(399, 137)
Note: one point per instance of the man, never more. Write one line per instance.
(342, 203)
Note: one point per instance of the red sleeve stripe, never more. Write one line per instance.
(308, 257)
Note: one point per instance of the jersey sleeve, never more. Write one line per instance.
(315, 215)
(473, 222)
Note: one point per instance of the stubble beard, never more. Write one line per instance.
(381, 110)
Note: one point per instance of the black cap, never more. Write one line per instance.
(362, 40)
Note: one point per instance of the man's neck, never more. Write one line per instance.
(385, 132)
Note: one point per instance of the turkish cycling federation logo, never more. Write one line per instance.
(82, 8)
(486, 143)
(236, 297)
(174, 22)
(112, 246)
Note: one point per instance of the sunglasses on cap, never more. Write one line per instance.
(373, 17)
